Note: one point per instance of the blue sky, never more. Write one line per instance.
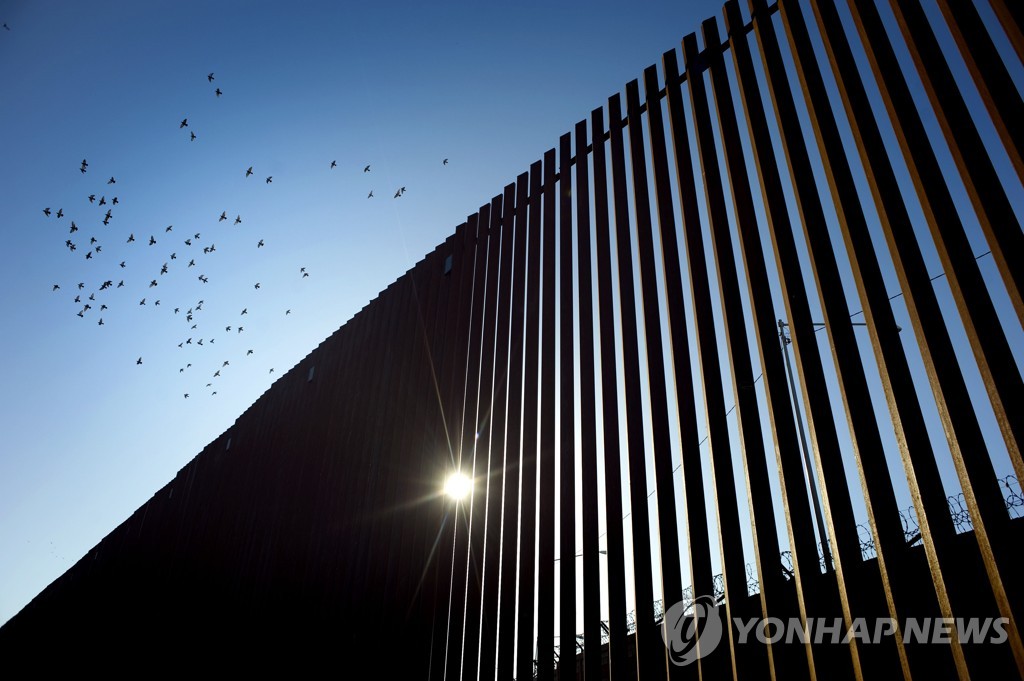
(89, 434)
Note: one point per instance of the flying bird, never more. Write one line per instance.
(260, 244)
(168, 228)
(101, 321)
(240, 329)
(138, 361)
(103, 201)
(248, 353)
(111, 180)
(184, 123)
(305, 274)
(210, 78)
(334, 164)
(188, 242)
(248, 172)
(152, 283)
(142, 302)
(444, 162)
(122, 264)
(257, 285)
(238, 219)
(245, 310)
(366, 169)
(218, 92)
(191, 263)
(223, 216)
(270, 178)
(78, 299)
(163, 270)
(271, 370)
(60, 212)
(85, 164)
(88, 256)
(92, 198)
(114, 201)
(152, 240)
(109, 214)
(131, 238)
(193, 139)
(81, 285)
(370, 195)
(46, 211)
(398, 193)
(287, 312)
(56, 287)
(74, 227)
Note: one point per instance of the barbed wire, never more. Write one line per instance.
(1013, 498)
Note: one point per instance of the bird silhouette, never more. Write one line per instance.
(101, 321)
(245, 310)
(188, 242)
(142, 302)
(109, 214)
(270, 178)
(240, 329)
(184, 123)
(271, 370)
(227, 328)
(334, 164)
(120, 284)
(78, 299)
(366, 169)
(122, 264)
(60, 212)
(46, 211)
(305, 274)
(302, 269)
(248, 172)
(56, 287)
(88, 256)
(85, 164)
(193, 138)
(81, 313)
(114, 201)
(248, 353)
(370, 195)
(106, 220)
(210, 78)
(196, 236)
(224, 364)
(157, 302)
(81, 285)
(257, 286)
(152, 240)
(216, 373)
(103, 201)
(186, 396)
(92, 198)
(138, 361)
(402, 190)
(174, 256)
(111, 180)
(238, 219)
(287, 312)
(203, 279)
(398, 193)
(444, 162)
(260, 244)
(98, 248)
(163, 270)
(152, 283)
(218, 92)
(74, 227)
(191, 263)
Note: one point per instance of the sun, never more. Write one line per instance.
(457, 486)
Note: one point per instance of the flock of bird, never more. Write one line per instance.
(93, 298)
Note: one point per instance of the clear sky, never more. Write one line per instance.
(88, 433)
